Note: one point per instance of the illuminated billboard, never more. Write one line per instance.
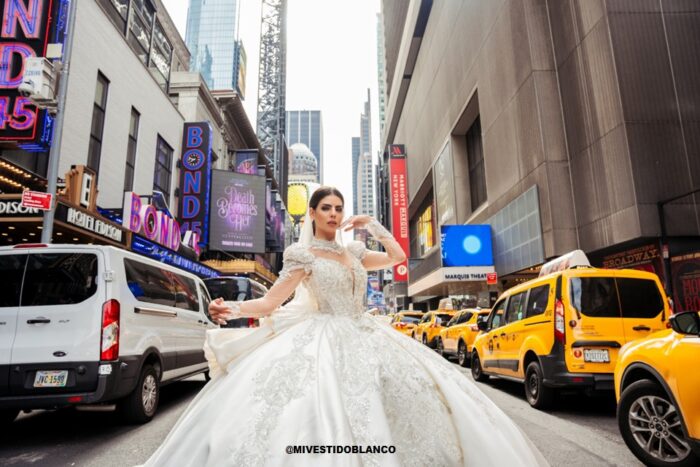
(25, 32)
(195, 179)
(237, 218)
(246, 161)
(466, 245)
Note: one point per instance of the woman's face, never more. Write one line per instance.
(328, 215)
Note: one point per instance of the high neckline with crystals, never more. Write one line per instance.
(327, 245)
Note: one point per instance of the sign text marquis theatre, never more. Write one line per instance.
(399, 205)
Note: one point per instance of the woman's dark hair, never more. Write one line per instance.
(321, 193)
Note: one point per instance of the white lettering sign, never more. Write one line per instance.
(97, 226)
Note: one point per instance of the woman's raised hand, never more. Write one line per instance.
(355, 222)
(220, 311)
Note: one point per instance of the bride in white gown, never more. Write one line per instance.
(322, 375)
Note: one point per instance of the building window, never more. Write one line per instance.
(163, 169)
(141, 28)
(117, 12)
(475, 159)
(426, 233)
(98, 122)
(131, 150)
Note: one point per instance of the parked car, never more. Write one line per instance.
(565, 329)
(657, 386)
(405, 321)
(457, 338)
(87, 324)
(238, 289)
(430, 325)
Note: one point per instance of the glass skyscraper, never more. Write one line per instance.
(212, 32)
(306, 127)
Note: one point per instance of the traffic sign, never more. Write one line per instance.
(492, 278)
(36, 199)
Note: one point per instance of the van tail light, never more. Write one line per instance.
(109, 347)
(559, 328)
(252, 323)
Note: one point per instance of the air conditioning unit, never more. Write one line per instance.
(39, 82)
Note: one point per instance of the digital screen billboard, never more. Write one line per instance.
(466, 245)
(246, 161)
(237, 218)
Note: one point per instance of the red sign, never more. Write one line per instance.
(491, 278)
(399, 205)
(36, 199)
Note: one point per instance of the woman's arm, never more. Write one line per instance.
(374, 259)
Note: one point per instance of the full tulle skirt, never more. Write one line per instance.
(337, 383)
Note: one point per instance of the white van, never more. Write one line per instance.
(85, 324)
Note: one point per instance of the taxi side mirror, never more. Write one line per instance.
(482, 325)
(686, 323)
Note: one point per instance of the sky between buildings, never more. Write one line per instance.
(331, 61)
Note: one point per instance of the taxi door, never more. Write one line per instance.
(491, 350)
(511, 335)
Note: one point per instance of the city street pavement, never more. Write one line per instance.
(581, 431)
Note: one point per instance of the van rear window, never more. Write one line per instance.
(598, 297)
(595, 296)
(640, 298)
(11, 272)
(59, 279)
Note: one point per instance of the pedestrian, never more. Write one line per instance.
(321, 382)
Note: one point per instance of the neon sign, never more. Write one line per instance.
(195, 179)
(24, 33)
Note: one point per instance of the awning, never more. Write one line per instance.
(444, 281)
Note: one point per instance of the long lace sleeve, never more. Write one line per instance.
(297, 265)
(373, 260)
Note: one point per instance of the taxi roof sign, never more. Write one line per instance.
(570, 260)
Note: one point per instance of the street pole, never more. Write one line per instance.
(54, 152)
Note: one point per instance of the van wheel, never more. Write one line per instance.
(650, 424)
(140, 406)
(538, 395)
(477, 371)
(462, 355)
(8, 416)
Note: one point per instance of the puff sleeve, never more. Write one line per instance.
(357, 249)
(297, 265)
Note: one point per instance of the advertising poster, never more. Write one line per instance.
(645, 258)
(466, 245)
(399, 204)
(685, 271)
(237, 220)
(246, 161)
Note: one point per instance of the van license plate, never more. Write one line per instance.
(596, 355)
(50, 379)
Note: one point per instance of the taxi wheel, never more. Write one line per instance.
(8, 416)
(462, 355)
(439, 348)
(650, 424)
(538, 395)
(140, 406)
(478, 372)
(425, 339)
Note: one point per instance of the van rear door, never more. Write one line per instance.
(11, 272)
(642, 304)
(57, 343)
(597, 334)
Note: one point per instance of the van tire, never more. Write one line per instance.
(462, 354)
(140, 406)
(8, 416)
(643, 389)
(538, 395)
(478, 372)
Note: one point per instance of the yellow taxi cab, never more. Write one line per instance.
(432, 322)
(565, 328)
(405, 321)
(657, 385)
(457, 338)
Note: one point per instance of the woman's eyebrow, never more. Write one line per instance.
(330, 205)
